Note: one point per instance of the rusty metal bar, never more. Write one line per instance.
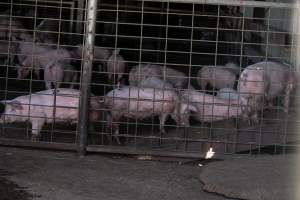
(88, 56)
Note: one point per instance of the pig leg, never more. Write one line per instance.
(162, 119)
(288, 89)
(114, 127)
(37, 126)
(48, 85)
(47, 79)
(203, 84)
(286, 98)
(37, 73)
(74, 80)
(68, 75)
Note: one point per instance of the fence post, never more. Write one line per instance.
(86, 74)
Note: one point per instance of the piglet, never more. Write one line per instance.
(218, 76)
(115, 66)
(56, 73)
(47, 106)
(208, 108)
(265, 81)
(41, 60)
(139, 103)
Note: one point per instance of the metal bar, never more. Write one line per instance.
(137, 151)
(87, 73)
(233, 3)
(42, 145)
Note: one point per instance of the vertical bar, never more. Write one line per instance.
(79, 20)
(88, 56)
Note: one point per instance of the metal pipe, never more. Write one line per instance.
(88, 56)
(248, 3)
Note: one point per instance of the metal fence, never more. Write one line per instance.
(149, 76)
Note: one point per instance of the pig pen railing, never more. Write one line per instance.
(238, 139)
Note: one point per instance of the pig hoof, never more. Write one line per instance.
(35, 138)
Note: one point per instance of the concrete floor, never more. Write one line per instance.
(62, 175)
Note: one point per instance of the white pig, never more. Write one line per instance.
(218, 76)
(115, 66)
(41, 60)
(139, 103)
(45, 107)
(56, 73)
(267, 80)
(141, 72)
(208, 108)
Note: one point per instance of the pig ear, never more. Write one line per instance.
(15, 104)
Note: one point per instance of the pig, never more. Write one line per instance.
(218, 76)
(139, 103)
(209, 108)
(41, 60)
(56, 73)
(265, 81)
(29, 49)
(109, 61)
(115, 66)
(60, 105)
(155, 82)
(141, 72)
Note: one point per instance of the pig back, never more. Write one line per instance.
(141, 102)
(44, 104)
(141, 72)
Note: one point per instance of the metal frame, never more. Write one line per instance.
(87, 59)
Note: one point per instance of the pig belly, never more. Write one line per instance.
(63, 115)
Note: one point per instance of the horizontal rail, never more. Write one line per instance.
(40, 145)
(234, 3)
(138, 151)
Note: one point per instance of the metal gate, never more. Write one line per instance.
(150, 77)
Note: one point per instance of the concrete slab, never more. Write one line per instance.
(254, 178)
(61, 176)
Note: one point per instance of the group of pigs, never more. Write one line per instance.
(162, 91)
(153, 90)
